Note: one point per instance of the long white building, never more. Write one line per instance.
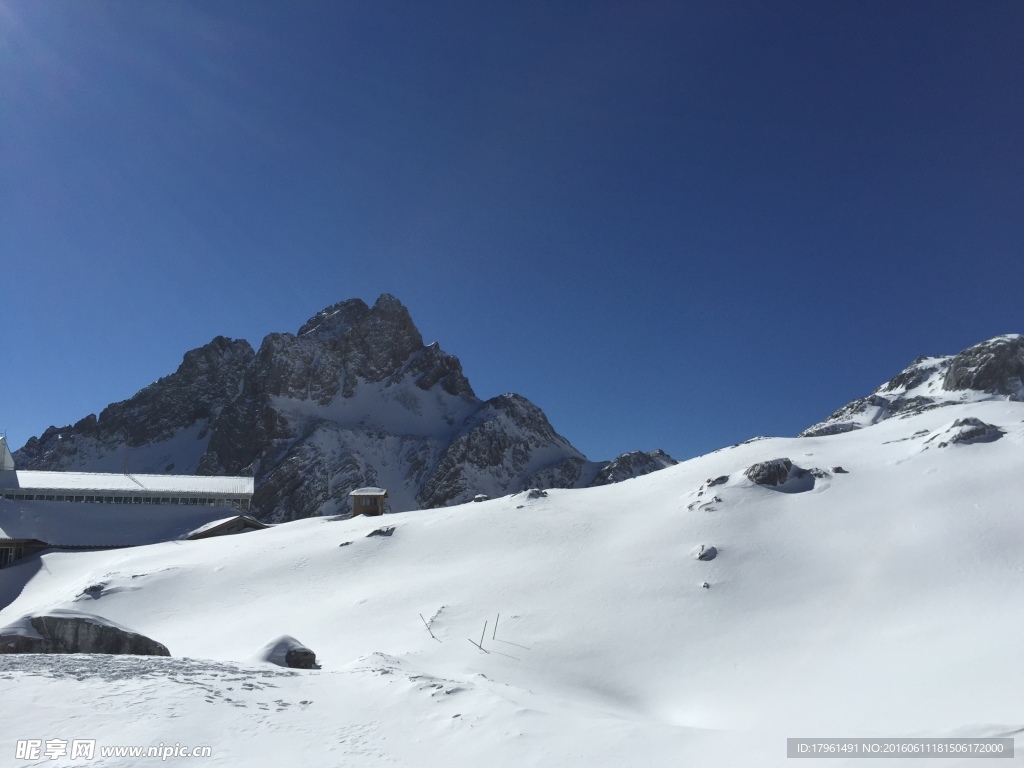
(89, 510)
(112, 488)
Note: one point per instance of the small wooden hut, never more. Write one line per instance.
(368, 501)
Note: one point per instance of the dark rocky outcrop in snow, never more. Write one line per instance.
(964, 431)
(783, 475)
(286, 651)
(300, 658)
(65, 631)
(705, 552)
(773, 472)
(355, 398)
(993, 368)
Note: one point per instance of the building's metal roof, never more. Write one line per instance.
(115, 483)
(250, 521)
(369, 491)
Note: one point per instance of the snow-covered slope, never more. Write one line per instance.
(871, 593)
(355, 398)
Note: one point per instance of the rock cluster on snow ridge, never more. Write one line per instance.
(964, 431)
(354, 395)
(65, 631)
(993, 369)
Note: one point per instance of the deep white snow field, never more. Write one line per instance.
(884, 602)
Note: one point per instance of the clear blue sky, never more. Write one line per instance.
(673, 225)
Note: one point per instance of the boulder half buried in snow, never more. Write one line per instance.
(705, 552)
(780, 474)
(65, 631)
(773, 472)
(965, 431)
(286, 651)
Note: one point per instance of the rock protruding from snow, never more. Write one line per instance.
(66, 631)
(705, 552)
(965, 431)
(286, 651)
(773, 472)
(783, 475)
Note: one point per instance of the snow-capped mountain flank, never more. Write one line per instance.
(355, 398)
(991, 370)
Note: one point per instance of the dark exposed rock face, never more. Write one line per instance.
(500, 440)
(774, 472)
(207, 380)
(994, 368)
(300, 658)
(784, 476)
(74, 632)
(355, 398)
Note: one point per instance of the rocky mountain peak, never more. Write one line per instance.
(382, 340)
(335, 321)
(991, 369)
(353, 399)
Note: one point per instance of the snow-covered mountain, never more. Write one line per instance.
(858, 584)
(354, 398)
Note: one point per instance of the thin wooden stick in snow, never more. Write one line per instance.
(427, 626)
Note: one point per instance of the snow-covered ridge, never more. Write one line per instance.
(864, 593)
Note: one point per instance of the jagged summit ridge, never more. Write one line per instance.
(992, 369)
(168, 421)
(354, 398)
